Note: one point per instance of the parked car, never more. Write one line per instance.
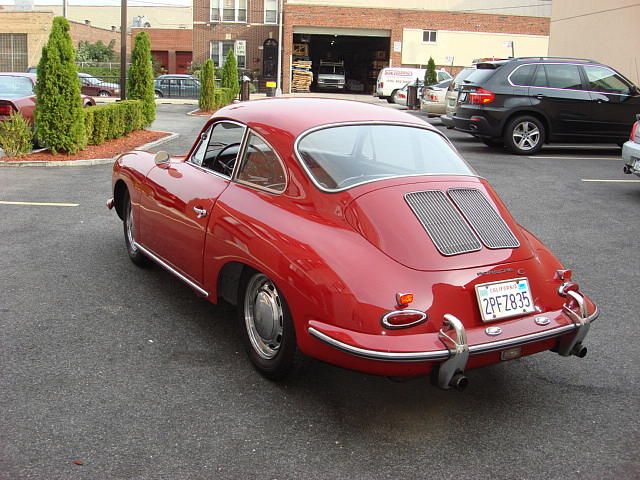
(433, 98)
(16, 94)
(527, 102)
(177, 86)
(451, 97)
(90, 85)
(352, 233)
(391, 79)
(631, 150)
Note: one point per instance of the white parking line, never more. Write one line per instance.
(609, 181)
(543, 157)
(41, 204)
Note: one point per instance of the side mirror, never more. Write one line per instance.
(162, 159)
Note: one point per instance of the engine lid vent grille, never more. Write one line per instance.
(483, 218)
(449, 232)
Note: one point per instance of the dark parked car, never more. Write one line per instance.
(90, 85)
(180, 86)
(527, 102)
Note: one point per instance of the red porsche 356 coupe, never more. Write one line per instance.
(351, 233)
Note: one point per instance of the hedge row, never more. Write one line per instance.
(224, 96)
(113, 120)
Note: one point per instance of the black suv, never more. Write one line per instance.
(526, 102)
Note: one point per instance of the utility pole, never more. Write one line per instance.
(64, 8)
(123, 50)
(279, 74)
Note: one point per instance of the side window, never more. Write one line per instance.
(604, 80)
(522, 75)
(563, 76)
(219, 150)
(261, 167)
(540, 77)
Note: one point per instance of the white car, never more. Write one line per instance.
(433, 99)
(631, 150)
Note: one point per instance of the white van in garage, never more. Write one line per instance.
(391, 79)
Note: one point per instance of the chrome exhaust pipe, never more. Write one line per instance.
(579, 351)
(626, 169)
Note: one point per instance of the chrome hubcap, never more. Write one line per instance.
(131, 234)
(263, 316)
(526, 135)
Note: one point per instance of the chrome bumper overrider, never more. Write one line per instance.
(457, 351)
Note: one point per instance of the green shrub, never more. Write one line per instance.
(140, 77)
(431, 76)
(16, 136)
(224, 96)
(113, 120)
(207, 87)
(230, 74)
(59, 114)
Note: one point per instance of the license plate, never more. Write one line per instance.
(498, 300)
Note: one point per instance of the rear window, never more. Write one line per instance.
(343, 156)
(461, 77)
(11, 86)
(479, 76)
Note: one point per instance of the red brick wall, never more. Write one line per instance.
(165, 42)
(397, 20)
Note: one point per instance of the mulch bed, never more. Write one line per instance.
(106, 150)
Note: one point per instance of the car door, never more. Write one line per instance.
(178, 200)
(557, 91)
(614, 102)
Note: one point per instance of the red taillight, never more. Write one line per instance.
(433, 97)
(481, 96)
(403, 319)
(634, 130)
(6, 109)
(381, 84)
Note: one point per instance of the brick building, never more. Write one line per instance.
(367, 34)
(172, 48)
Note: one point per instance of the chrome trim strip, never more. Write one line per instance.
(170, 269)
(444, 354)
(378, 355)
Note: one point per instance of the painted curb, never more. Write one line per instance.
(88, 162)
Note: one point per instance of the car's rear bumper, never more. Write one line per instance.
(477, 125)
(453, 345)
(631, 157)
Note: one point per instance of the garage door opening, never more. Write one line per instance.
(361, 57)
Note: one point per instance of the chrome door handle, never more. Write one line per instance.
(200, 212)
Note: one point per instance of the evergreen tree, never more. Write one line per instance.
(140, 77)
(207, 87)
(230, 74)
(430, 76)
(59, 115)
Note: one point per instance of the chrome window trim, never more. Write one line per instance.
(376, 122)
(243, 141)
(566, 89)
(171, 270)
(235, 178)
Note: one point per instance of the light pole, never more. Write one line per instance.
(123, 50)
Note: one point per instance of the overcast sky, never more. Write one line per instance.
(141, 3)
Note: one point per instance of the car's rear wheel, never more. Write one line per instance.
(390, 97)
(266, 325)
(134, 252)
(524, 135)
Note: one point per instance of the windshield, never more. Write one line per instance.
(91, 80)
(331, 70)
(346, 155)
(15, 86)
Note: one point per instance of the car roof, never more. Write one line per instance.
(294, 115)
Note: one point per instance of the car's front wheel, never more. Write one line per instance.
(103, 93)
(266, 325)
(134, 252)
(524, 135)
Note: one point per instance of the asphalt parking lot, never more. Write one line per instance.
(114, 372)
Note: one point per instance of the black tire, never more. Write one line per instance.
(524, 135)
(134, 252)
(266, 327)
(103, 93)
(390, 97)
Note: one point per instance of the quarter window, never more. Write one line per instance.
(522, 75)
(228, 10)
(604, 80)
(429, 36)
(261, 166)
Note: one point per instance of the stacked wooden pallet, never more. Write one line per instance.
(302, 76)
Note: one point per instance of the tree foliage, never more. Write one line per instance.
(96, 52)
(430, 76)
(207, 87)
(15, 135)
(59, 115)
(230, 74)
(140, 76)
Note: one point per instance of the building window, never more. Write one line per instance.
(229, 11)
(13, 52)
(220, 50)
(270, 11)
(429, 36)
